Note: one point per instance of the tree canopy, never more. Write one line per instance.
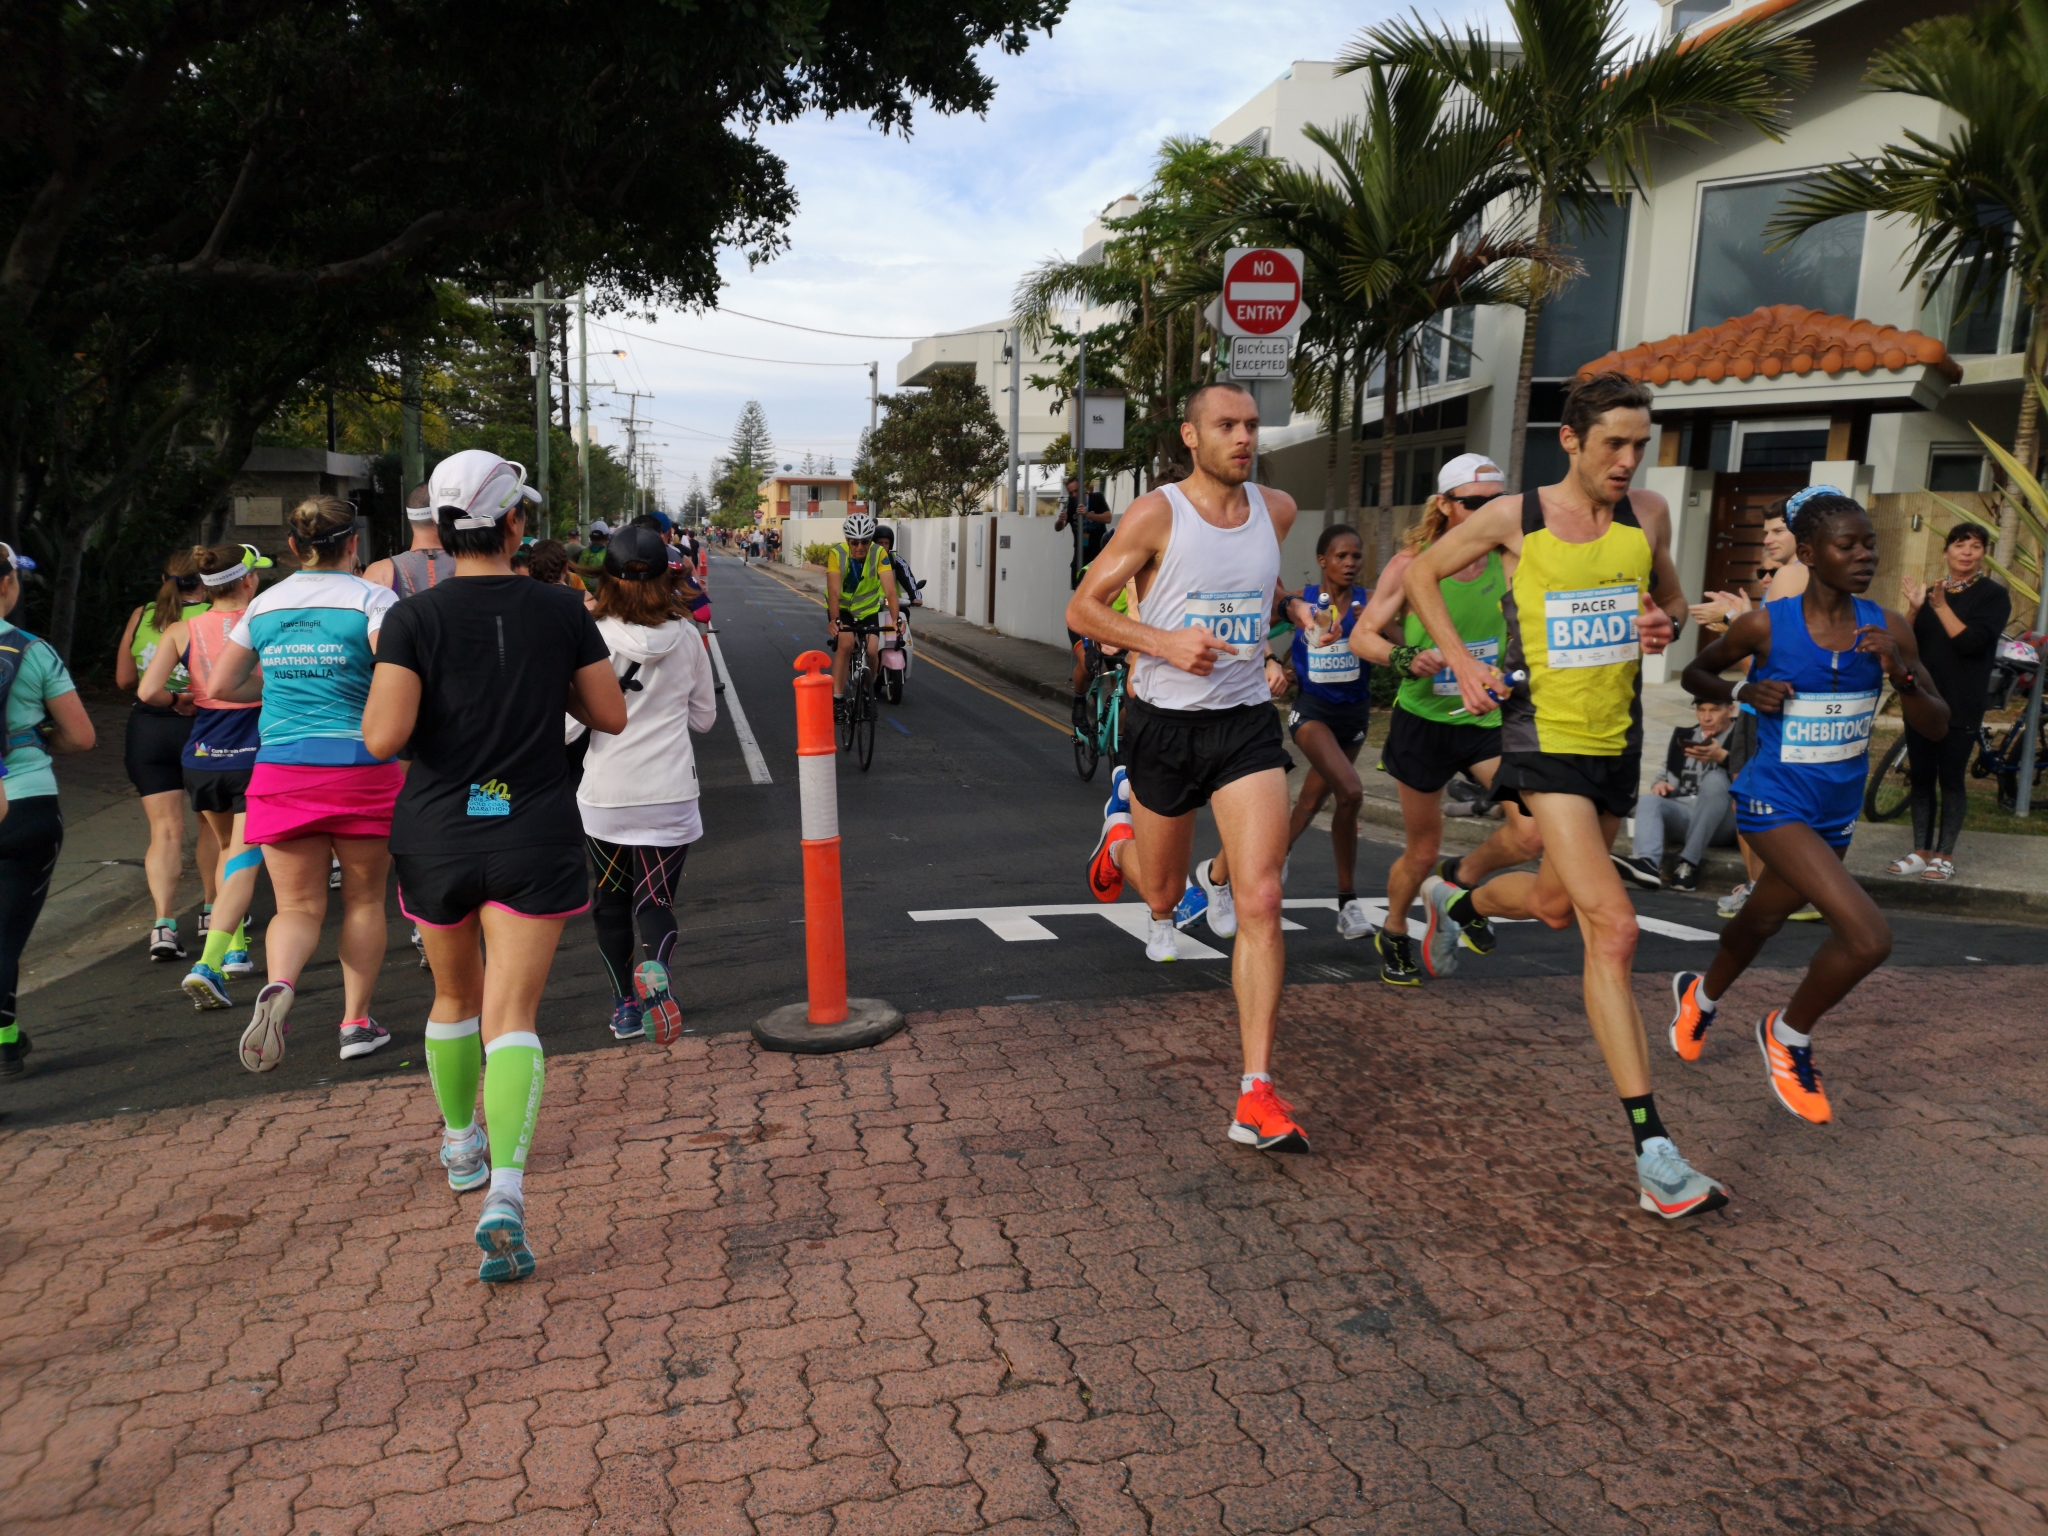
(936, 451)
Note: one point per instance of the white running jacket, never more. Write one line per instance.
(666, 676)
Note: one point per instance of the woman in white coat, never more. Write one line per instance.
(639, 793)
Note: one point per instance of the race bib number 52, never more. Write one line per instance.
(1826, 728)
(1236, 618)
(1595, 627)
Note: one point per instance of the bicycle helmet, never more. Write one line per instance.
(860, 526)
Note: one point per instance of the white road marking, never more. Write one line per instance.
(1021, 925)
(750, 749)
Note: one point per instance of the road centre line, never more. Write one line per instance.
(750, 749)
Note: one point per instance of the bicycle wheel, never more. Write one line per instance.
(2007, 766)
(1085, 754)
(1890, 787)
(895, 684)
(864, 734)
(846, 718)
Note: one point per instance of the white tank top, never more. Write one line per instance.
(1221, 579)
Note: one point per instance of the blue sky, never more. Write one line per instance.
(912, 236)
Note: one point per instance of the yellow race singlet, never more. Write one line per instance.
(1571, 625)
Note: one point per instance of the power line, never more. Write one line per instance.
(814, 330)
(738, 357)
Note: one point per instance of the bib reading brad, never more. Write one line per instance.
(1593, 627)
(1236, 618)
(1826, 728)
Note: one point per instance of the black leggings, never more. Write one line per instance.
(636, 887)
(30, 839)
(1944, 763)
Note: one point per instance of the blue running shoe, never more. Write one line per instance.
(207, 987)
(467, 1157)
(236, 962)
(626, 1021)
(501, 1233)
(1194, 901)
(1119, 801)
(656, 1006)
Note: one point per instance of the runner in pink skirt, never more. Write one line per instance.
(316, 794)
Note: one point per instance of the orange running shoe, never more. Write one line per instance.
(1688, 1022)
(1105, 880)
(1266, 1121)
(1794, 1077)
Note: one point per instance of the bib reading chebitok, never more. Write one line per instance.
(1826, 728)
(1592, 627)
(1236, 618)
(1445, 682)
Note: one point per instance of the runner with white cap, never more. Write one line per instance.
(1431, 739)
(424, 565)
(475, 672)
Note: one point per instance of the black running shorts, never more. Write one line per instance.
(1425, 755)
(154, 746)
(441, 891)
(1609, 782)
(1347, 722)
(1178, 758)
(224, 791)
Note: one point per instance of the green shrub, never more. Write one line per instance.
(814, 554)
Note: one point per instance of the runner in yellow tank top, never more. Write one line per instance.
(1593, 590)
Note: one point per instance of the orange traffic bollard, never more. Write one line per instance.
(830, 1021)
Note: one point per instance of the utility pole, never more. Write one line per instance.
(633, 439)
(543, 406)
(1014, 346)
(412, 458)
(583, 413)
(1081, 425)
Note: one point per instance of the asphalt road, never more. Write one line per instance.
(972, 804)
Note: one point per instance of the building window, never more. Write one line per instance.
(1579, 323)
(1444, 349)
(1687, 12)
(1955, 467)
(1792, 447)
(1733, 273)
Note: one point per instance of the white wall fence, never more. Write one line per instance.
(1020, 564)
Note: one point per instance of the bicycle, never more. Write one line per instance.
(1890, 789)
(857, 725)
(1099, 714)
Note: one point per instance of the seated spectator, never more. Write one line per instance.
(1690, 800)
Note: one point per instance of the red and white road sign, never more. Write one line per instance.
(1262, 292)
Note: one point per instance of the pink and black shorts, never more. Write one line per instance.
(294, 800)
(441, 891)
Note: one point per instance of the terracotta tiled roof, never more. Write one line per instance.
(1774, 340)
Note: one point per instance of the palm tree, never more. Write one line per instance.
(1400, 224)
(1979, 201)
(1578, 103)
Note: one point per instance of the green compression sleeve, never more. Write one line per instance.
(455, 1064)
(512, 1087)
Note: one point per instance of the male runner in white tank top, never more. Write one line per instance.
(426, 564)
(1202, 727)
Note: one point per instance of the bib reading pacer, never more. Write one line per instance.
(1571, 625)
(1221, 580)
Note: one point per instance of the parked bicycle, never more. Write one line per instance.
(1890, 789)
(1099, 713)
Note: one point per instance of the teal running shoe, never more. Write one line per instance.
(501, 1233)
(467, 1157)
(207, 988)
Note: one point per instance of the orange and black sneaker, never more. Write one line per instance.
(1266, 1121)
(1688, 1020)
(1105, 880)
(1794, 1077)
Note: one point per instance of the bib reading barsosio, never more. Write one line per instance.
(1332, 663)
(1236, 618)
(1445, 683)
(1827, 728)
(1592, 627)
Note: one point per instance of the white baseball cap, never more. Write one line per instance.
(481, 487)
(1467, 469)
(602, 527)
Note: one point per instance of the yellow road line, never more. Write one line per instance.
(1064, 730)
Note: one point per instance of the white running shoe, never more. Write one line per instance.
(1671, 1187)
(467, 1157)
(1440, 938)
(163, 941)
(1353, 921)
(1222, 910)
(1160, 941)
(263, 1041)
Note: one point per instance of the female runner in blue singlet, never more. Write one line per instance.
(1818, 664)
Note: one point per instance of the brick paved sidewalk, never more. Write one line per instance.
(1006, 1273)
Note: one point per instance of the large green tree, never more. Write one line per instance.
(936, 452)
(1978, 199)
(1579, 103)
(204, 203)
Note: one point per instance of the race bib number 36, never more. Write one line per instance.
(1237, 618)
(1445, 682)
(1592, 628)
(1827, 728)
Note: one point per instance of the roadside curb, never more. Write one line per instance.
(1016, 677)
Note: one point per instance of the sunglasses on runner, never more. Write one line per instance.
(1470, 503)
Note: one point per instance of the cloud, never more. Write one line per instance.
(910, 236)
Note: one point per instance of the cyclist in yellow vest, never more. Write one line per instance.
(1593, 590)
(859, 579)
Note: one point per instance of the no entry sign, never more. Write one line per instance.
(1262, 292)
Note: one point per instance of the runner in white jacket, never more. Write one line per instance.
(638, 798)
